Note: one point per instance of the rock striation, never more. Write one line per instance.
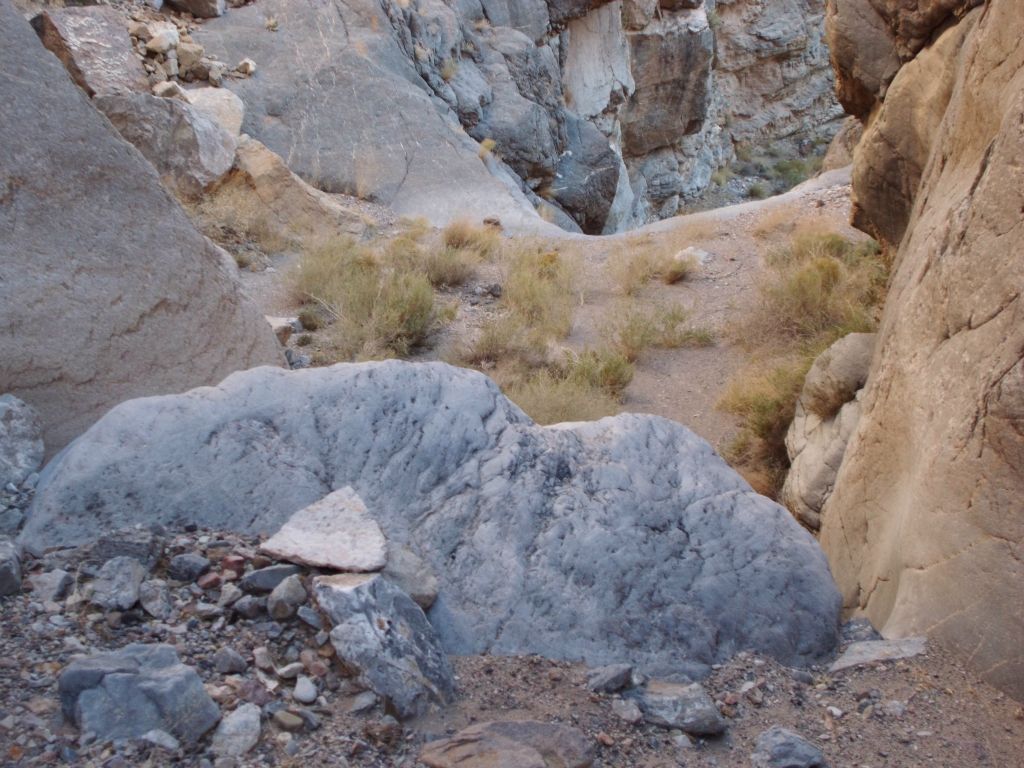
(623, 539)
(925, 528)
(100, 301)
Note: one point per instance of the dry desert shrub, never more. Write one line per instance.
(816, 290)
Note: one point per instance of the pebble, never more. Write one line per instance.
(305, 690)
(229, 661)
(286, 720)
(187, 567)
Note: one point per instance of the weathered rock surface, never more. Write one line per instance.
(518, 522)
(679, 705)
(238, 732)
(93, 45)
(840, 151)
(10, 567)
(126, 693)
(21, 440)
(336, 532)
(580, 97)
(116, 587)
(924, 528)
(379, 631)
(522, 744)
(189, 149)
(871, 651)
(171, 311)
(220, 105)
(780, 747)
(412, 575)
(826, 415)
(356, 87)
(898, 142)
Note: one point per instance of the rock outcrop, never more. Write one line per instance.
(826, 415)
(925, 528)
(601, 115)
(107, 292)
(623, 539)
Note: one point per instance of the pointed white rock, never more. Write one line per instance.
(336, 532)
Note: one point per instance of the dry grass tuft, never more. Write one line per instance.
(379, 307)
(482, 239)
(633, 329)
(818, 289)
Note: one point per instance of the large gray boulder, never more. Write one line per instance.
(126, 693)
(21, 440)
(626, 539)
(189, 149)
(107, 291)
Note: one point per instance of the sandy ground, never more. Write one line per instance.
(682, 384)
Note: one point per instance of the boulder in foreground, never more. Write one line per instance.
(622, 540)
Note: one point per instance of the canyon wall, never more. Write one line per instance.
(925, 527)
(599, 116)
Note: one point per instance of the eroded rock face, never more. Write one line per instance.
(627, 538)
(93, 44)
(603, 115)
(189, 149)
(924, 528)
(100, 302)
(826, 415)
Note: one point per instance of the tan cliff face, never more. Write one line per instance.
(925, 527)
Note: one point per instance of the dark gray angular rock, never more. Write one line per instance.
(285, 599)
(250, 606)
(126, 693)
(228, 661)
(685, 706)
(21, 440)
(587, 175)
(610, 679)
(187, 566)
(10, 568)
(116, 587)
(626, 538)
(266, 579)
(201, 9)
(382, 633)
(781, 748)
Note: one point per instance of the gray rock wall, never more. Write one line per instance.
(610, 111)
(107, 291)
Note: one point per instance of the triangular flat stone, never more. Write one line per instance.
(336, 532)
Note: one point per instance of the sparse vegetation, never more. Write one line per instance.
(634, 328)
(641, 261)
(379, 306)
(818, 289)
(757, 191)
(464, 235)
(486, 148)
(449, 69)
